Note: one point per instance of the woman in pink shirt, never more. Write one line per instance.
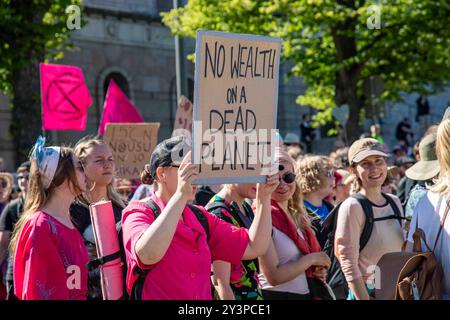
(50, 256)
(169, 258)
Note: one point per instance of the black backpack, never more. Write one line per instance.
(138, 285)
(336, 279)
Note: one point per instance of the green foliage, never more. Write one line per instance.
(409, 53)
(30, 30)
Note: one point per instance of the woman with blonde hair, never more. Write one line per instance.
(294, 254)
(49, 255)
(432, 209)
(97, 160)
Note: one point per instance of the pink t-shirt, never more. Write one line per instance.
(50, 261)
(184, 271)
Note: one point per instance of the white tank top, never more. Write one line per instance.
(287, 251)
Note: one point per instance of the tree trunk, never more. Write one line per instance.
(26, 112)
(346, 80)
(352, 128)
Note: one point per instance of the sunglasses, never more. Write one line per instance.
(288, 177)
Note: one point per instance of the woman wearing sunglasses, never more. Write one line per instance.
(294, 252)
(169, 254)
(316, 178)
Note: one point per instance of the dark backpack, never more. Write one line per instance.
(234, 211)
(138, 285)
(336, 279)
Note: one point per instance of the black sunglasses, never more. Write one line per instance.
(288, 177)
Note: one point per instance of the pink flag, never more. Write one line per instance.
(65, 97)
(117, 108)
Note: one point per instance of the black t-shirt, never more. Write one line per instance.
(81, 218)
(11, 214)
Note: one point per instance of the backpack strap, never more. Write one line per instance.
(397, 214)
(233, 210)
(154, 207)
(201, 218)
(368, 225)
(94, 264)
(138, 285)
(216, 205)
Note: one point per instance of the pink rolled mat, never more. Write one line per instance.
(107, 242)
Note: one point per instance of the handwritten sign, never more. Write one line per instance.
(183, 117)
(132, 145)
(235, 106)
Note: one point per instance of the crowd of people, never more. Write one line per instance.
(262, 241)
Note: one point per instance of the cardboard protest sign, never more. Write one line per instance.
(235, 106)
(183, 117)
(65, 97)
(132, 145)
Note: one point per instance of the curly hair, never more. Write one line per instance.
(310, 172)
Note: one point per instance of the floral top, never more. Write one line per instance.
(416, 194)
(244, 276)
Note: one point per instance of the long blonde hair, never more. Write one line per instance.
(37, 195)
(81, 150)
(297, 209)
(295, 203)
(443, 155)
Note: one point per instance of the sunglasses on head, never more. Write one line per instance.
(288, 177)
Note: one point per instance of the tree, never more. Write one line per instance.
(338, 45)
(32, 31)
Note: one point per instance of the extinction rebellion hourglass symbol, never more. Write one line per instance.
(60, 95)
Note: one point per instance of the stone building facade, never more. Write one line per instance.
(126, 41)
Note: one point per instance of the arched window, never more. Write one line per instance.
(120, 80)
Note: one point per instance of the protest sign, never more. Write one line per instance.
(183, 118)
(132, 145)
(235, 106)
(65, 97)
